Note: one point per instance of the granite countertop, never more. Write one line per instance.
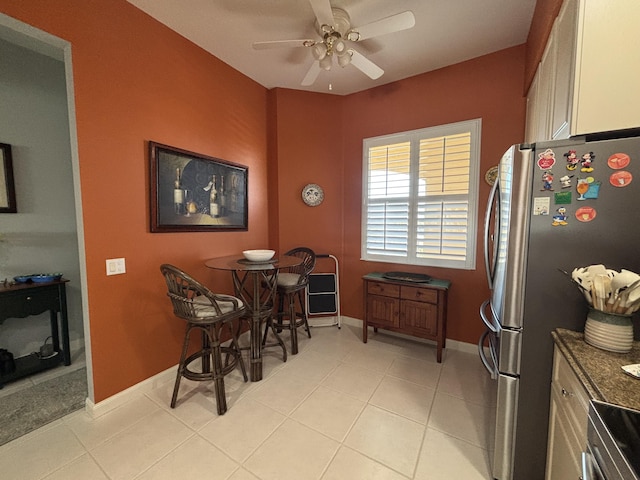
(599, 370)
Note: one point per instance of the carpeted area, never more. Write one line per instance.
(31, 408)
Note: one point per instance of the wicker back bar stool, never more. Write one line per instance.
(209, 313)
(291, 285)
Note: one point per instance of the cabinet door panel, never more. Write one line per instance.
(563, 450)
(382, 311)
(607, 66)
(565, 34)
(419, 318)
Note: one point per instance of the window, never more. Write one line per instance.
(420, 196)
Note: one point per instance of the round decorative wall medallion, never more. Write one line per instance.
(312, 194)
(491, 175)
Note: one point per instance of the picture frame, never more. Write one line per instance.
(191, 192)
(7, 185)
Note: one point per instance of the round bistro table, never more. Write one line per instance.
(255, 284)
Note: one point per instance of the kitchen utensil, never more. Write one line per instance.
(622, 303)
(623, 279)
(633, 298)
(582, 277)
(585, 292)
(598, 291)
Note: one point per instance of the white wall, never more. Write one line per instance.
(42, 236)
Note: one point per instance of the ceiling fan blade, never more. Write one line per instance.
(322, 11)
(394, 23)
(312, 74)
(283, 43)
(365, 65)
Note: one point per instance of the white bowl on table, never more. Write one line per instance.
(259, 255)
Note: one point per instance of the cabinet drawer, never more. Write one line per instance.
(419, 294)
(575, 399)
(385, 289)
(23, 304)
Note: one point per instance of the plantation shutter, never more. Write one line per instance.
(388, 212)
(420, 197)
(442, 228)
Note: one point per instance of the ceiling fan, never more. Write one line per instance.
(334, 27)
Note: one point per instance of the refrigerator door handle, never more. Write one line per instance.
(483, 316)
(491, 366)
(490, 260)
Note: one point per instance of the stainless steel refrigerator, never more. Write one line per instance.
(537, 225)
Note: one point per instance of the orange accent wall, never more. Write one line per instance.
(135, 81)
(544, 15)
(319, 140)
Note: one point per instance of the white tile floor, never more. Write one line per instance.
(340, 409)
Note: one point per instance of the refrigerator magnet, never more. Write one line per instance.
(546, 159)
(594, 189)
(618, 161)
(562, 198)
(565, 182)
(582, 187)
(547, 181)
(585, 214)
(572, 160)
(586, 162)
(560, 217)
(620, 179)
(541, 205)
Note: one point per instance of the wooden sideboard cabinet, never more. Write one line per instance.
(416, 309)
(25, 299)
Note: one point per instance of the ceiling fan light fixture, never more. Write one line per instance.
(319, 51)
(344, 59)
(326, 29)
(325, 63)
(352, 36)
(339, 46)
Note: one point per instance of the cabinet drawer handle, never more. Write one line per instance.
(566, 393)
(28, 298)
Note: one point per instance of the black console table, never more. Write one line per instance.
(24, 299)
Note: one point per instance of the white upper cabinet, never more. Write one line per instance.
(587, 78)
(531, 131)
(565, 41)
(606, 95)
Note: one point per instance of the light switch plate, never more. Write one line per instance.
(115, 266)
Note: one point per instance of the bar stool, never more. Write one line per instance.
(291, 285)
(208, 312)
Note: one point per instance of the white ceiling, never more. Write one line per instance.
(446, 32)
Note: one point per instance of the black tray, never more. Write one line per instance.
(258, 262)
(407, 277)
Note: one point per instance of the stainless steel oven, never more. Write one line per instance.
(613, 443)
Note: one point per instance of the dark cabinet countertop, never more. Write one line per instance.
(599, 370)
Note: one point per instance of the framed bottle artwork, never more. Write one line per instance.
(191, 192)
(7, 186)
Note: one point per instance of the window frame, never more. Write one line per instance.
(474, 127)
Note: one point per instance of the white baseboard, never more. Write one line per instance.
(96, 410)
